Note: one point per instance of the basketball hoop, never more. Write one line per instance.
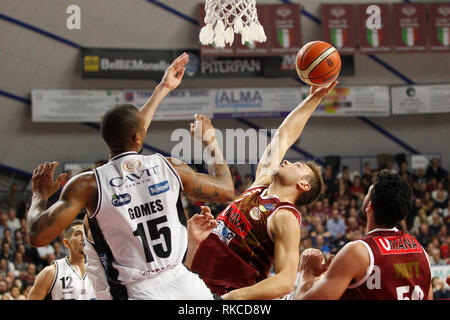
(224, 18)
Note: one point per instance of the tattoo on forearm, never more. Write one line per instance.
(46, 219)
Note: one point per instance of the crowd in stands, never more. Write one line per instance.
(328, 224)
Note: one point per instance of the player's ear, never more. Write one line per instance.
(66, 243)
(303, 185)
(137, 138)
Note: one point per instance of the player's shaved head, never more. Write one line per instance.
(119, 125)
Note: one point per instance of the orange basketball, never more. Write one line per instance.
(318, 63)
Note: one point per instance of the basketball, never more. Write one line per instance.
(318, 63)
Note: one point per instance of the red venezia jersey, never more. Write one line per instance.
(239, 252)
(399, 268)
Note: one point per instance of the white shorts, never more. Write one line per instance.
(174, 284)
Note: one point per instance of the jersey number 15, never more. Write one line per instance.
(155, 234)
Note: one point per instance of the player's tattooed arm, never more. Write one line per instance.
(43, 225)
(218, 184)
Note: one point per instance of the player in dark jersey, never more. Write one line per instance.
(262, 226)
(387, 264)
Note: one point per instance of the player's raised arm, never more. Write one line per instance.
(44, 225)
(217, 185)
(170, 81)
(288, 132)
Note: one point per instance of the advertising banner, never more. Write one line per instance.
(377, 40)
(151, 64)
(410, 27)
(338, 27)
(420, 99)
(182, 104)
(355, 101)
(72, 105)
(439, 27)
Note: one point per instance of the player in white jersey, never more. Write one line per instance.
(133, 203)
(65, 279)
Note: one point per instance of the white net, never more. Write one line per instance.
(224, 18)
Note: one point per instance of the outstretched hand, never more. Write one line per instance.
(201, 225)
(42, 180)
(321, 92)
(174, 73)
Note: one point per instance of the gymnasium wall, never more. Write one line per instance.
(29, 60)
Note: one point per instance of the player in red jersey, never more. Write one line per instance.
(262, 226)
(387, 264)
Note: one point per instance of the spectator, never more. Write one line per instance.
(336, 227)
(15, 292)
(59, 254)
(30, 275)
(3, 268)
(20, 266)
(421, 189)
(428, 201)
(435, 225)
(441, 200)
(432, 185)
(424, 235)
(436, 257)
(440, 187)
(12, 199)
(353, 212)
(6, 251)
(445, 244)
(354, 230)
(3, 224)
(368, 173)
(320, 230)
(18, 239)
(346, 175)
(320, 244)
(316, 222)
(7, 237)
(3, 288)
(13, 221)
(436, 171)
(320, 211)
(439, 289)
(44, 253)
(390, 167)
(26, 254)
(446, 212)
(23, 226)
(403, 172)
(418, 221)
(329, 181)
(356, 187)
(419, 176)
